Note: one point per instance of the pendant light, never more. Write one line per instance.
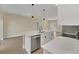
(43, 14)
(32, 11)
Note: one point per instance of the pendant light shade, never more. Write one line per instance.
(32, 16)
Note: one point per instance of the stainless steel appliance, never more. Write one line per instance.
(35, 42)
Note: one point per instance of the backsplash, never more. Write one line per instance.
(70, 29)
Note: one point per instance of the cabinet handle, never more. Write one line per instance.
(45, 36)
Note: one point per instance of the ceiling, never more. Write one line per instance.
(29, 10)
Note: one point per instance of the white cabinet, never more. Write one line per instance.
(27, 44)
(32, 43)
(42, 38)
(46, 37)
(68, 14)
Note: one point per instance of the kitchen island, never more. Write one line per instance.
(62, 45)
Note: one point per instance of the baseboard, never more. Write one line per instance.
(13, 36)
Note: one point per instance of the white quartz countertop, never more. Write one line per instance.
(29, 33)
(32, 33)
(62, 45)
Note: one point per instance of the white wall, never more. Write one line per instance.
(68, 14)
(16, 25)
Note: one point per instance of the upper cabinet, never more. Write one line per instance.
(68, 14)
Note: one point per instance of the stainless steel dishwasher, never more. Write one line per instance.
(35, 42)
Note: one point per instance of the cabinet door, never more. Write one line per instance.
(42, 39)
(46, 37)
(28, 44)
